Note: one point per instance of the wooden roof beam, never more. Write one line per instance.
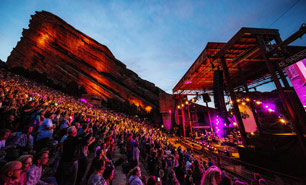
(290, 39)
(247, 44)
(236, 49)
(244, 55)
(232, 53)
(245, 31)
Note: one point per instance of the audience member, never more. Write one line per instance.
(35, 173)
(108, 174)
(10, 173)
(212, 176)
(26, 161)
(96, 177)
(134, 176)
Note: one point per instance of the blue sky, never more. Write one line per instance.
(159, 40)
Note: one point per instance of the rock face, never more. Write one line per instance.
(2, 64)
(51, 46)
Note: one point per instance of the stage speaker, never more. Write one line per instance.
(219, 93)
(206, 97)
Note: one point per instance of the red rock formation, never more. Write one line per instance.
(66, 55)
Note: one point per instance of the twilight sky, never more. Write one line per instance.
(157, 39)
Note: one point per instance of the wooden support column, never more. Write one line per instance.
(278, 41)
(251, 103)
(234, 99)
(210, 122)
(295, 101)
(278, 85)
(282, 76)
(189, 117)
(294, 117)
(208, 112)
(183, 118)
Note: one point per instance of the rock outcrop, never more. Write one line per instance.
(2, 64)
(65, 55)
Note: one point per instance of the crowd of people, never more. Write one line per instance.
(39, 123)
(47, 137)
(167, 163)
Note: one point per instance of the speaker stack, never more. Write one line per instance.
(219, 94)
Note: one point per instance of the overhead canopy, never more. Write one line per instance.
(243, 51)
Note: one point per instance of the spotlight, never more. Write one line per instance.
(258, 102)
(282, 121)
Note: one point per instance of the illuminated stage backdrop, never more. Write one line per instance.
(247, 118)
(297, 75)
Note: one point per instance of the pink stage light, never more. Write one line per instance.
(188, 82)
(83, 100)
(269, 106)
(218, 127)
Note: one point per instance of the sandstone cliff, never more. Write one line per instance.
(51, 46)
(2, 64)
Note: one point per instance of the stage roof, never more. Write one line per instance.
(241, 50)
